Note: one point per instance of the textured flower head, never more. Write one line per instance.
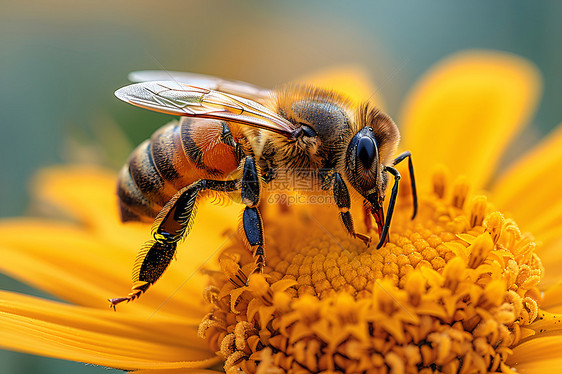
(458, 289)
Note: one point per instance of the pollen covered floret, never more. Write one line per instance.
(451, 292)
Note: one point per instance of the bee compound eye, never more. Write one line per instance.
(366, 152)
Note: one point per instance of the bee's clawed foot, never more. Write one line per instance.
(138, 289)
(117, 300)
(258, 269)
(365, 238)
(383, 242)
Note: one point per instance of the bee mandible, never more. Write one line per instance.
(234, 136)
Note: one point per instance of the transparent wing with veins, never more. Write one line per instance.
(234, 87)
(180, 99)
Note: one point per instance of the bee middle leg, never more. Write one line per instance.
(343, 201)
(252, 223)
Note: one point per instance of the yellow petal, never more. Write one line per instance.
(536, 350)
(84, 192)
(552, 260)
(88, 263)
(530, 189)
(100, 337)
(62, 259)
(351, 80)
(72, 264)
(466, 110)
(552, 297)
(170, 330)
(88, 194)
(553, 366)
(549, 323)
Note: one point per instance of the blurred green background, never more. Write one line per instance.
(60, 62)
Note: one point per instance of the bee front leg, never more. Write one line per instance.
(392, 201)
(378, 213)
(397, 160)
(343, 201)
(172, 224)
(252, 223)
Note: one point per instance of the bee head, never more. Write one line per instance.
(369, 150)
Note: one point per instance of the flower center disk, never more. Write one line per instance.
(452, 291)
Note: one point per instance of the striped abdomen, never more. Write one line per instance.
(175, 156)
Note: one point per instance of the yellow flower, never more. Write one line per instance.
(462, 288)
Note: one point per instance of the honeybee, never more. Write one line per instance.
(235, 137)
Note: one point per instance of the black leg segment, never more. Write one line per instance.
(177, 215)
(341, 193)
(253, 229)
(396, 161)
(343, 201)
(250, 189)
(156, 259)
(391, 204)
(251, 218)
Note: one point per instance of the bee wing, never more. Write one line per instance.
(180, 99)
(233, 87)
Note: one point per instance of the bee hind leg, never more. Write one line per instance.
(172, 224)
(152, 260)
(343, 201)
